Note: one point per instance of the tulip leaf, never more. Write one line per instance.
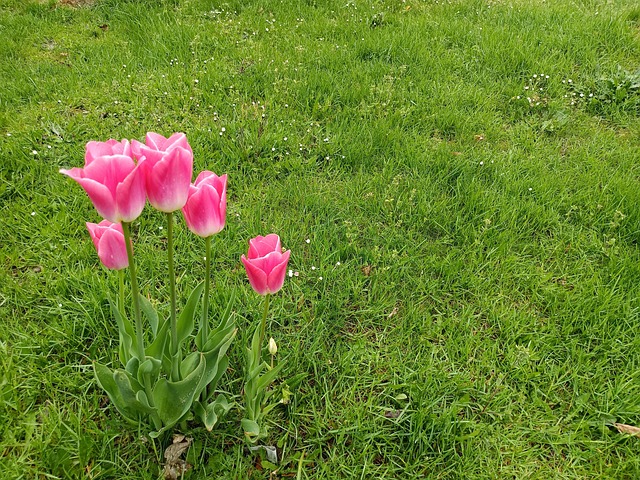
(217, 362)
(174, 399)
(119, 390)
(150, 367)
(225, 323)
(251, 429)
(132, 366)
(186, 321)
(265, 380)
(157, 347)
(189, 364)
(150, 313)
(126, 335)
(210, 413)
(144, 401)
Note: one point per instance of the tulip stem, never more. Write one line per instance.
(263, 325)
(172, 285)
(204, 327)
(121, 291)
(126, 229)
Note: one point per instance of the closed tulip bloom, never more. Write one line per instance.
(113, 181)
(155, 141)
(168, 168)
(265, 263)
(110, 147)
(206, 207)
(108, 239)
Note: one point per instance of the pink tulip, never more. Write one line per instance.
(113, 181)
(265, 263)
(206, 207)
(108, 239)
(110, 147)
(168, 167)
(155, 141)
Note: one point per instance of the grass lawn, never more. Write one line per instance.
(458, 182)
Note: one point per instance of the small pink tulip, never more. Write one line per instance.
(113, 181)
(206, 207)
(108, 239)
(168, 167)
(265, 263)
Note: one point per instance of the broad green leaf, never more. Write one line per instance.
(144, 401)
(186, 321)
(189, 364)
(126, 335)
(265, 380)
(132, 366)
(119, 391)
(150, 313)
(174, 399)
(251, 428)
(157, 347)
(226, 323)
(210, 413)
(151, 367)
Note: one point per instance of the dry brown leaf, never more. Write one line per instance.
(174, 466)
(628, 429)
(366, 270)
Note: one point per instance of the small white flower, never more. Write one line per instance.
(285, 139)
(223, 129)
(337, 264)
(530, 189)
(313, 268)
(320, 278)
(308, 240)
(33, 214)
(290, 273)
(481, 163)
(34, 152)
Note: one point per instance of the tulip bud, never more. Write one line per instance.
(273, 348)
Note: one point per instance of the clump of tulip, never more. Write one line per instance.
(171, 366)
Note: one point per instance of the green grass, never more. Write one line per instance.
(483, 319)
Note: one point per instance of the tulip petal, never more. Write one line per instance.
(261, 246)
(131, 196)
(275, 278)
(112, 250)
(168, 180)
(257, 278)
(101, 198)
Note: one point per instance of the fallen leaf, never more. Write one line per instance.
(456, 153)
(393, 313)
(366, 270)
(628, 429)
(104, 27)
(174, 466)
(478, 138)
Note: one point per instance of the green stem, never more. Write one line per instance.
(135, 293)
(204, 326)
(175, 375)
(126, 229)
(121, 291)
(263, 325)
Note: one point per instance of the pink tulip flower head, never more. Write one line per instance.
(265, 263)
(113, 181)
(168, 167)
(108, 239)
(206, 207)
